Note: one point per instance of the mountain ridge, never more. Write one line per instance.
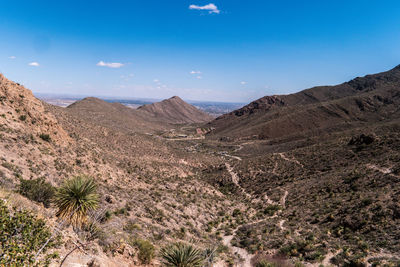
(319, 107)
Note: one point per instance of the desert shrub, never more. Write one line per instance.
(130, 227)
(45, 137)
(181, 255)
(236, 212)
(76, 198)
(265, 263)
(122, 211)
(271, 261)
(22, 117)
(272, 209)
(146, 250)
(37, 190)
(21, 237)
(106, 217)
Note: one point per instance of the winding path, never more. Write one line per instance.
(235, 179)
(291, 160)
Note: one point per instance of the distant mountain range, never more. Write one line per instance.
(215, 109)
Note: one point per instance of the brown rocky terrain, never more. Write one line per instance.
(176, 111)
(150, 189)
(320, 109)
(318, 185)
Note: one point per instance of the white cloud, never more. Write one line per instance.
(114, 65)
(156, 80)
(34, 64)
(211, 8)
(243, 83)
(199, 77)
(12, 57)
(195, 72)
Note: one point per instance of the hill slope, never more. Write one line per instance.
(176, 111)
(326, 108)
(150, 188)
(114, 115)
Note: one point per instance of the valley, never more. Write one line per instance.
(306, 179)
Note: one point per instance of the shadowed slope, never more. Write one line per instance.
(370, 98)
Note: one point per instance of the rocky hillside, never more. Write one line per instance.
(21, 112)
(176, 111)
(150, 189)
(320, 109)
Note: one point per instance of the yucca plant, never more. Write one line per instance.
(75, 198)
(181, 255)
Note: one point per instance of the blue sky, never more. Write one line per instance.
(218, 50)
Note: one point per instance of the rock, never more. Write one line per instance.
(362, 139)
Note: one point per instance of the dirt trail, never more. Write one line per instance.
(326, 261)
(274, 171)
(381, 170)
(283, 199)
(240, 146)
(235, 157)
(244, 255)
(291, 160)
(226, 240)
(330, 255)
(281, 222)
(235, 179)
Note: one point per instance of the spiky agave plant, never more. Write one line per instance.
(75, 198)
(181, 255)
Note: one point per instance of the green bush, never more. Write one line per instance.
(22, 117)
(21, 237)
(45, 137)
(146, 250)
(37, 190)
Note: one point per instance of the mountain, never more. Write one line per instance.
(319, 109)
(114, 115)
(176, 111)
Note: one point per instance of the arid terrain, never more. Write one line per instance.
(307, 179)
